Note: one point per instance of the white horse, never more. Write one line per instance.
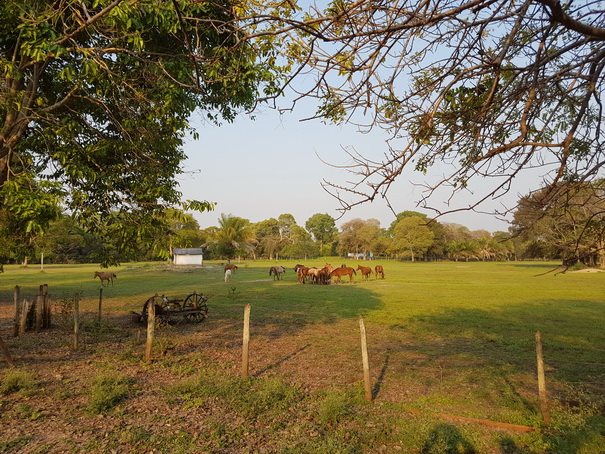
(228, 274)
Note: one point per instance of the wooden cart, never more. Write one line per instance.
(192, 309)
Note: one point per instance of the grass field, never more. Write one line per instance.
(447, 338)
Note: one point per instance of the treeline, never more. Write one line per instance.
(412, 236)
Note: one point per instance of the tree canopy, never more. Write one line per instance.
(97, 96)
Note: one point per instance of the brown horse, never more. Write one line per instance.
(105, 276)
(302, 272)
(366, 271)
(379, 270)
(230, 267)
(339, 272)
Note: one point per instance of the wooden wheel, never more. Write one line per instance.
(195, 317)
(196, 302)
(159, 302)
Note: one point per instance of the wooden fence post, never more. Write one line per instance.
(100, 302)
(24, 313)
(39, 309)
(246, 341)
(76, 323)
(150, 331)
(364, 357)
(6, 353)
(46, 320)
(16, 297)
(542, 381)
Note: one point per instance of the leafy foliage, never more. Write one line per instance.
(97, 96)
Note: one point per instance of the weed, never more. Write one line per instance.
(108, 391)
(18, 381)
(14, 444)
(249, 397)
(336, 405)
(28, 412)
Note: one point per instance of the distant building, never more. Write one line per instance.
(188, 256)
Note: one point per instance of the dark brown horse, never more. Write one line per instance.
(338, 273)
(366, 271)
(379, 270)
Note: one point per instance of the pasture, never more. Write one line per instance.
(447, 338)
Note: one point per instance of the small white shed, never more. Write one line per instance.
(188, 256)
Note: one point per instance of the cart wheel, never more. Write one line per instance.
(159, 301)
(196, 301)
(195, 317)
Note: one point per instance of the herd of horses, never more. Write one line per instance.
(325, 275)
(314, 275)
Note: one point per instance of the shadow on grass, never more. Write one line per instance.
(571, 331)
(447, 439)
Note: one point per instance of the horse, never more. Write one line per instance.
(366, 271)
(105, 276)
(312, 274)
(277, 271)
(339, 272)
(228, 273)
(302, 273)
(379, 270)
(231, 267)
(323, 275)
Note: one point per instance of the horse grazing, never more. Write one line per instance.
(277, 271)
(339, 272)
(323, 276)
(231, 267)
(301, 272)
(366, 271)
(228, 274)
(105, 276)
(379, 270)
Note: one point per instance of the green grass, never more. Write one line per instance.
(449, 337)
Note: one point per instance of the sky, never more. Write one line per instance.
(259, 169)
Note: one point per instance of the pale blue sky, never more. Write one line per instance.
(263, 168)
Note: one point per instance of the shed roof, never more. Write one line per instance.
(188, 251)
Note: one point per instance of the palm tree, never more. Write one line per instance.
(234, 236)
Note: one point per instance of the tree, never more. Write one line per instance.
(301, 244)
(323, 228)
(234, 236)
(31, 207)
(269, 238)
(411, 237)
(437, 248)
(183, 230)
(572, 228)
(96, 96)
(474, 89)
(358, 235)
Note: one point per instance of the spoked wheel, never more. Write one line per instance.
(195, 317)
(161, 314)
(197, 303)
